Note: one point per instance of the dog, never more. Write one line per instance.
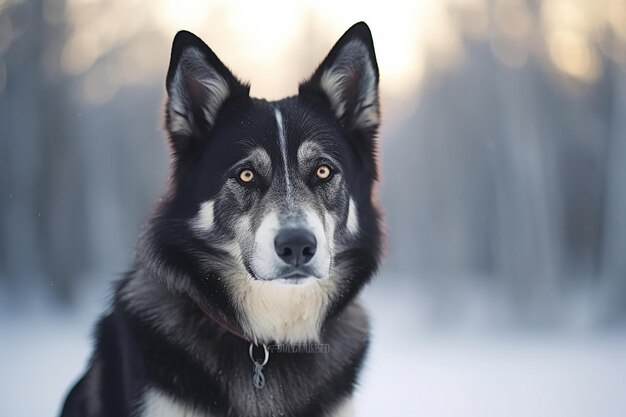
(242, 299)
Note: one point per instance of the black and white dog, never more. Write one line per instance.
(242, 297)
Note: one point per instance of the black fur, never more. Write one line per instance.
(156, 336)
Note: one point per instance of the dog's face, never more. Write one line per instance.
(269, 217)
(280, 207)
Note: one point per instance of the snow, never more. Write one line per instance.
(409, 372)
(40, 356)
(525, 376)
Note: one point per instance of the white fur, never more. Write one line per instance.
(335, 80)
(265, 259)
(157, 404)
(353, 218)
(283, 149)
(308, 150)
(205, 217)
(193, 65)
(323, 254)
(274, 311)
(277, 311)
(176, 107)
(332, 83)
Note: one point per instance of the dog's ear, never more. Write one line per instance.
(198, 84)
(347, 80)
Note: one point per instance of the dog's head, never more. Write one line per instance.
(269, 218)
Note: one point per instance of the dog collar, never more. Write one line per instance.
(233, 329)
(258, 379)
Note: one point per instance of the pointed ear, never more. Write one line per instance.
(348, 81)
(198, 84)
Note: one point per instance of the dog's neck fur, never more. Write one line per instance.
(146, 297)
(219, 359)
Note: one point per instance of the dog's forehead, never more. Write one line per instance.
(309, 149)
(269, 130)
(258, 157)
(303, 126)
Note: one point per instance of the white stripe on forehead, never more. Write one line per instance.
(283, 149)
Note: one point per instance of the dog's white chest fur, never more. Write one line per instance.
(156, 404)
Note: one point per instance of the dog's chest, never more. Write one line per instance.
(156, 404)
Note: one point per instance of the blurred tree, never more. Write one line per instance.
(506, 177)
(42, 208)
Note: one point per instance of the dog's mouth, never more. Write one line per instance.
(289, 275)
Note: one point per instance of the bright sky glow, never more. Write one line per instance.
(274, 45)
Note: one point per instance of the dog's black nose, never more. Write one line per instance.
(295, 246)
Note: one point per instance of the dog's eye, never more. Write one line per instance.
(323, 172)
(246, 176)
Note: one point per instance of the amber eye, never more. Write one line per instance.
(246, 175)
(323, 172)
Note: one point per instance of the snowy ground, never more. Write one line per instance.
(525, 376)
(409, 373)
